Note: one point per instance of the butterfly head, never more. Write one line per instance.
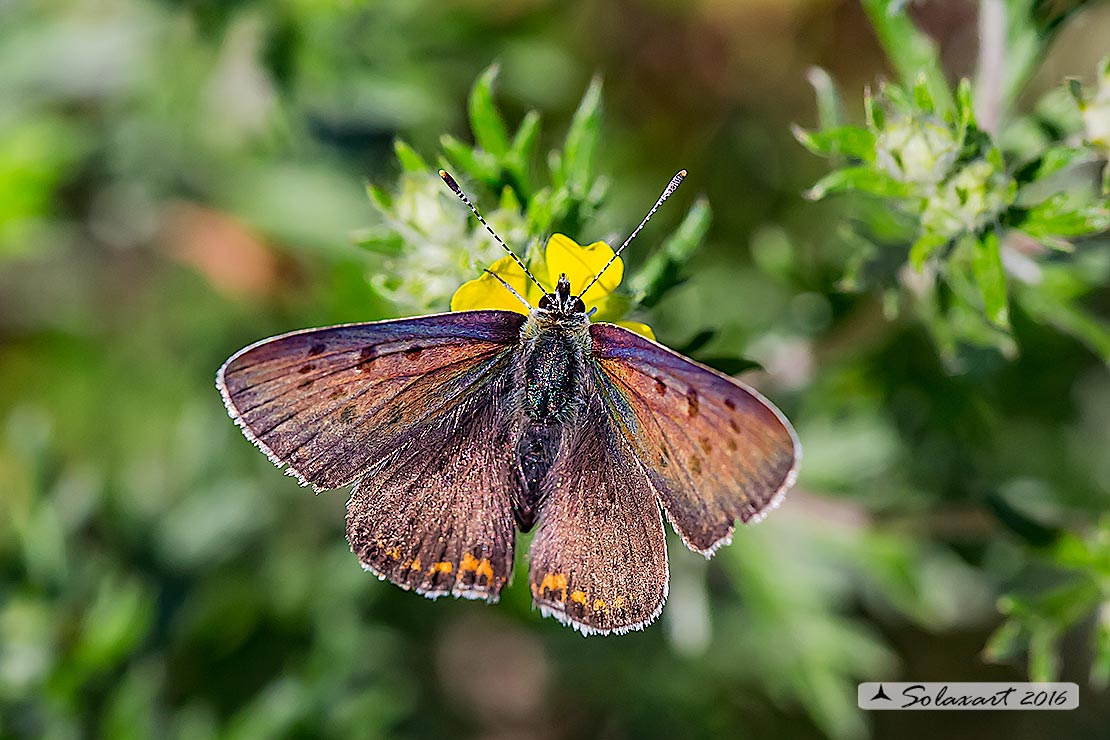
(562, 302)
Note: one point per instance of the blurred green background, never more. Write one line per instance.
(178, 179)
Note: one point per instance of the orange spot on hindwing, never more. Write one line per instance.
(552, 582)
(481, 567)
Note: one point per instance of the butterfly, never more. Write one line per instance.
(458, 429)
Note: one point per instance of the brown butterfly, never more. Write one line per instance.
(457, 429)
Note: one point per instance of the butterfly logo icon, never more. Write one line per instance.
(457, 429)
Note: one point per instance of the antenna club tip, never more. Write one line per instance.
(682, 173)
(443, 174)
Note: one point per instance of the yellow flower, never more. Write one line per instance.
(562, 255)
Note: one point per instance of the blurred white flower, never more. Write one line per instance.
(441, 246)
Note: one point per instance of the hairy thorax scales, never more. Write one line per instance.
(551, 386)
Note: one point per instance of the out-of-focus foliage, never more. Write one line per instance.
(970, 216)
(975, 219)
(178, 179)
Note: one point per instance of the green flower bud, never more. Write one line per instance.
(969, 200)
(441, 248)
(916, 150)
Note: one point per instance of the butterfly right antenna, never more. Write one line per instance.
(667, 192)
(462, 196)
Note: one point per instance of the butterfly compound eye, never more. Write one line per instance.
(579, 306)
(545, 302)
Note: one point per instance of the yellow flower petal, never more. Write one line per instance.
(563, 255)
(581, 264)
(642, 329)
(487, 292)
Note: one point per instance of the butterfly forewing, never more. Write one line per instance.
(334, 403)
(715, 450)
(598, 560)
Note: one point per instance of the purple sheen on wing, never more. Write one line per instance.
(715, 450)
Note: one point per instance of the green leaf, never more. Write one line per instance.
(843, 141)
(1044, 661)
(1062, 216)
(965, 106)
(409, 159)
(911, 51)
(477, 164)
(576, 162)
(922, 97)
(829, 109)
(661, 271)
(523, 152)
(986, 265)
(1075, 89)
(1007, 642)
(380, 240)
(1061, 157)
(924, 248)
(527, 136)
(873, 113)
(485, 120)
(380, 197)
(860, 179)
(118, 618)
(509, 200)
(555, 167)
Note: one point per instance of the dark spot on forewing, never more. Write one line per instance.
(306, 368)
(692, 402)
(305, 384)
(413, 353)
(695, 466)
(660, 387)
(347, 414)
(366, 357)
(706, 445)
(316, 349)
(730, 404)
(730, 444)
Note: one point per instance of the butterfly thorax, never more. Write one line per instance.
(551, 372)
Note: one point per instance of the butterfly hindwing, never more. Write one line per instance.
(715, 450)
(598, 560)
(334, 403)
(437, 518)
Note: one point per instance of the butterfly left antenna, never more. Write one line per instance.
(667, 192)
(462, 196)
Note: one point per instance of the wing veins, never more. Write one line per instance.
(348, 444)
